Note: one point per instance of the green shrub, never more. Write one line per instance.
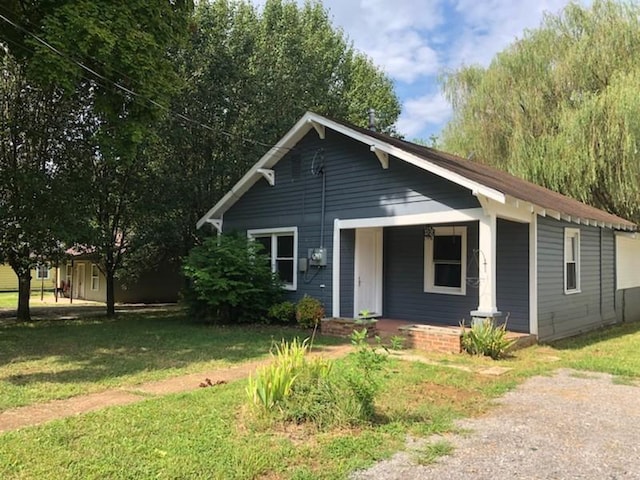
(485, 338)
(309, 311)
(284, 312)
(364, 380)
(230, 280)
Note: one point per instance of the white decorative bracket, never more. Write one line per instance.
(269, 175)
(319, 128)
(216, 222)
(383, 157)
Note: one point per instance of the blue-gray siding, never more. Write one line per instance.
(512, 265)
(562, 315)
(356, 187)
(404, 296)
(628, 305)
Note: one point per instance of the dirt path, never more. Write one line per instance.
(573, 425)
(41, 413)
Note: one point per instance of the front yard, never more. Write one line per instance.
(209, 433)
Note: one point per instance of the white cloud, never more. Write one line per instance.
(432, 109)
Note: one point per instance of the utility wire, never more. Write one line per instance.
(134, 93)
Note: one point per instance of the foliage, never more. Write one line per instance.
(485, 338)
(364, 380)
(309, 311)
(397, 342)
(251, 72)
(283, 312)
(128, 53)
(230, 280)
(40, 154)
(559, 106)
(430, 452)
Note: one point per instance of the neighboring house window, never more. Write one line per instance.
(571, 260)
(281, 245)
(42, 272)
(95, 278)
(445, 261)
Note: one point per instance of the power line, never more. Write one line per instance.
(132, 92)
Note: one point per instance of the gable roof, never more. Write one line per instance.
(479, 178)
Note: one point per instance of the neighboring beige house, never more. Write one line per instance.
(44, 276)
(82, 279)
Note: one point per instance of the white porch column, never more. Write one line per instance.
(487, 304)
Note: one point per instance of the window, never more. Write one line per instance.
(281, 245)
(42, 272)
(445, 261)
(571, 260)
(95, 278)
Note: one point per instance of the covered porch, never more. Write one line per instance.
(438, 269)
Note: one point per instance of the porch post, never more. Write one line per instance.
(335, 277)
(487, 304)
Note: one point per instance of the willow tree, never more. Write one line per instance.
(560, 106)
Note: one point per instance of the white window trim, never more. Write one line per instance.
(38, 276)
(274, 232)
(429, 270)
(96, 277)
(570, 232)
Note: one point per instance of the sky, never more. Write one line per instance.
(415, 41)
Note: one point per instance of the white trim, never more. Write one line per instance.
(429, 265)
(46, 268)
(533, 275)
(378, 239)
(383, 157)
(449, 216)
(275, 232)
(568, 233)
(319, 128)
(335, 281)
(268, 174)
(216, 223)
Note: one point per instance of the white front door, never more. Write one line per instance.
(368, 271)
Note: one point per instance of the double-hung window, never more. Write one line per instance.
(95, 277)
(281, 246)
(42, 271)
(571, 260)
(445, 261)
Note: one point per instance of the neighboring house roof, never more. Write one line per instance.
(479, 178)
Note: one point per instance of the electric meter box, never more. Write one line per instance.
(318, 257)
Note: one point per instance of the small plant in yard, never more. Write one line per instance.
(284, 312)
(485, 338)
(396, 342)
(430, 452)
(363, 379)
(309, 311)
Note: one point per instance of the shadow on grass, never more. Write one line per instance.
(601, 335)
(97, 349)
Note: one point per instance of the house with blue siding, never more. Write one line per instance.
(365, 221)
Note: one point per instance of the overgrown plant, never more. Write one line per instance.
(363, 379)
(284, 312)
(309, 311)
(230, 280)
(485, 338)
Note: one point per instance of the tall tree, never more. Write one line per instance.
(560, 106)
(40, 142)
(123, 55)
(250, 74)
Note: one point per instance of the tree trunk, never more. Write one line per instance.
(24, 292)
(111, 304)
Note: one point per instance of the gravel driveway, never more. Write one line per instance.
(573, 425)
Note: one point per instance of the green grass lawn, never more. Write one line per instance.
(48, 360)
(10, 299)
(209, 434)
